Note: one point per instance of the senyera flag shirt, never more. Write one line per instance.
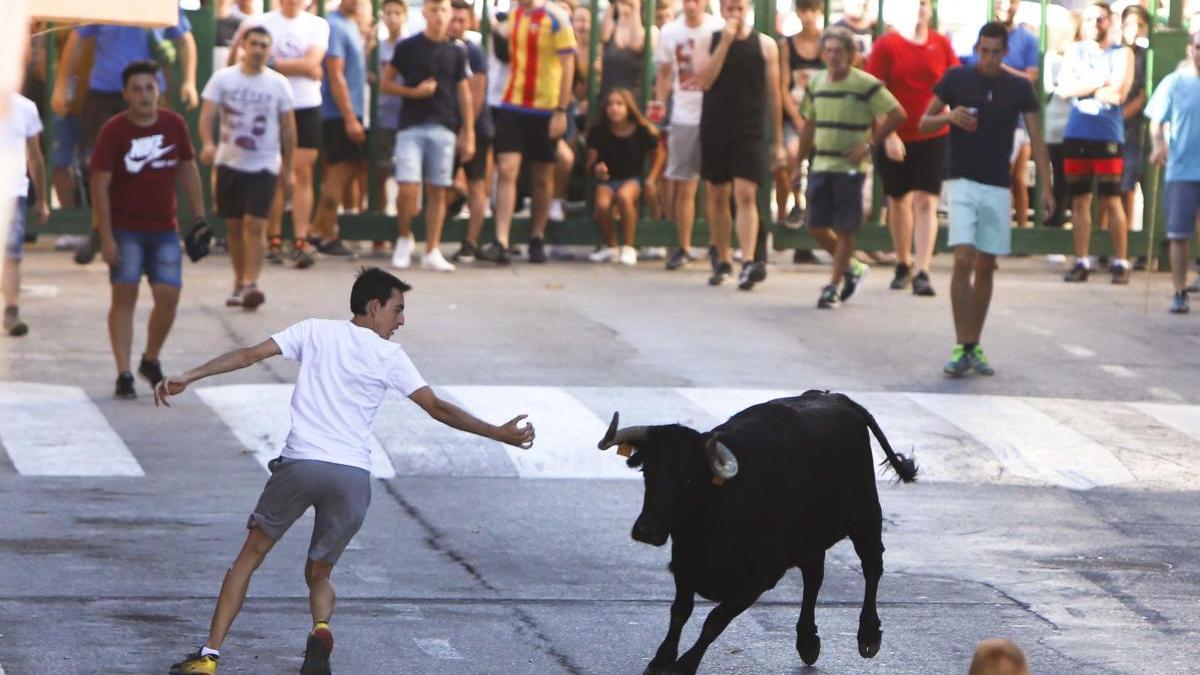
(537, 40)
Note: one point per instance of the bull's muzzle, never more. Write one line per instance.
(648, 534)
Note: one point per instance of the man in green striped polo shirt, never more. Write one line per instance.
(840, 111)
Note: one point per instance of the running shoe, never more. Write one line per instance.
(829, 297)
(301, 257)
(86, 252)
(959, 363)
(196, 664)
(1120, 274)
(713, 261)
(13, 324)
(752, 273)
(979, 363)
(795, 218)
(721, 274)
(466, 253)
(678, 259)
(125, 387)
(922, 286)
(604, 254)
(317, 651)
(402, 252)
(235, 298)
(275, 251)
(434, 260)
(1078, 274)
(151, 370)
(903, 277)
(1180, 304)
(851, 278)
(556, 213)
(495, 252)
(253, 297)
(336, 248)
(627, 256)
(537, 250)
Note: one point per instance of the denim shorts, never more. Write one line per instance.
(155, 254)
(980, 216)
(14, 248)
(67, 133)
(1182, 204)
(425, 153)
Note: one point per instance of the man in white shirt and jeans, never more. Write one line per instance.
(346, 369)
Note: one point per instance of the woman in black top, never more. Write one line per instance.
(799, 58)
(618, 144)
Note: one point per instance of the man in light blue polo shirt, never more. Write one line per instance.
(1174, 113)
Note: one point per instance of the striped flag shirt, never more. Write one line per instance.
(538, 38)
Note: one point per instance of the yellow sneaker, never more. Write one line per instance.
(195, 664)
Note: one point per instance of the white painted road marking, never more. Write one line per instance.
(1078, 351)
(1028, 442)
(1164, 393)
(1118, 371)
(1182, 418)
(52, 430)
(438, 649)
(260, 416)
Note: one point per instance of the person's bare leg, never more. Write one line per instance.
(508, 166)
(302, 196)
(275, 215)
(603, 215)
(1179, 263)
(981, 295)
(1118, 228)
(120, 323)
(900, 224)
(627, 199)
(1081, 221)
(407, 196)
(720, 220)
(435, 215)
(477, 196)
(961, 295)
(925, 229)
(162, 317)
(334, 182)
(10, 284)
(254, 246)
(746, 194)
(564, 161)
(235, 239)
(1020, 187)
(63, 179)
(685, 210)
(826, 238)
(783, 188)
(842, 255)
(542, 176)
(320, 588)
(235, 585)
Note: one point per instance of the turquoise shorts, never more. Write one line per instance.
(980, 216)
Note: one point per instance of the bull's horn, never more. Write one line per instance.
(720, 459)
(616, 436)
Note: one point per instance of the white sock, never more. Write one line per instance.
(1120, 262)
(205, 651)
(1087, 264)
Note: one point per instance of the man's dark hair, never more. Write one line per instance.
(814, 5)
(461, 4)
(373, 284)
(995, 29)
(403, 5)
(1142, 12)
(259, 30)
(1103, 4)
(139, 68)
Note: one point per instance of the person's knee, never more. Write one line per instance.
(316, 571)
(985, 264)
(964, 259)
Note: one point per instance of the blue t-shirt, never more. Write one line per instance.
(1177, 102)
(1023, 52)
(119, 46)
(983, 155)
(346, 43)
(478, 64)
(389, 104)
(1090, 119)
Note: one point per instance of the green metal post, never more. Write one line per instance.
(764, 22)
(593, 83)
(648, 12)
(485, 27)
(48, 94)
(1039, 183)
(204, 32)
(876, 183)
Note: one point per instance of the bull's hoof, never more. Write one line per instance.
(660, 667)
(869, 649)
(809, 648)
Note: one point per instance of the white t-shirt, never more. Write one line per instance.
(291, 39)
(22, 124)
(249, 107)
(345, 371)
(677, 46)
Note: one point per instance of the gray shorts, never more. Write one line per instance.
(340, 494)
(683, 152)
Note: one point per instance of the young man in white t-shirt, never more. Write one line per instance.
(20, 135)
(258, 139)
(677, 66)
(346, 369)
(299, 41)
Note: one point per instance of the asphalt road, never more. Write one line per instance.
(1058, 506)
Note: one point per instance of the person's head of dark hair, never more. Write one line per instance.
(461, 4)
(995, 29)
(1141, 12)
(1102, 4)
(139, 68)
(810, 5)
(373, 284)
(258, 30)
(403, 5)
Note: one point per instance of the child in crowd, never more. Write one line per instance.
(618, 143)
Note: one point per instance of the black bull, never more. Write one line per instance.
(772, 488)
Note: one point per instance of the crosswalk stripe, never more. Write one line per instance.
(260, 416)
(60, 432)
(1028, 442)
(421, 446)
(1182, 418)
(438, 649)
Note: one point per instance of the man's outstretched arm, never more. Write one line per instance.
(229, 361)
(451, 415)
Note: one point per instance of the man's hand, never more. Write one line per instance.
(208, 152)
(650, 192)
(894, 148)
(42, 211)
(188, 96)
(558, 124)
(355, 131)
(59, 102)
(167, 387)
(1048, 201)
(289, 184)
(465, 147)
(964, 119)
(731, 31)
(779, 158)
(1158, 156)
(656, 111)
(426, 88)
(109, 252)
(601, 171)
(511, 433)
(858, 153)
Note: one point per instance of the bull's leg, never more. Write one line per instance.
(681, 611)
(714, 625)
(869, 546)
(808, 643)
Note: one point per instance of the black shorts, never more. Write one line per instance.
(337, 146)
(476, 168)
(835, 200)
(526, 133)
(923, 168)
(1086, 160)
(244, 194)
(725, 156)
(308, 127)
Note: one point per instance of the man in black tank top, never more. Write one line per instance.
(739, 78)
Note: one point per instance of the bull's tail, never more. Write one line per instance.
(905, 468)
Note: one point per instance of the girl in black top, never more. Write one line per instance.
(799, 58)
(618, 144)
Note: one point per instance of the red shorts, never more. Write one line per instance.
(1086, 160)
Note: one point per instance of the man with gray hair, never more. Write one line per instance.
(841, 105)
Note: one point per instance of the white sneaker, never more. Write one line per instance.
(556, 210)
(433, 260)
(402, 254)
(653, 253)
(628, 255)
(604, 254)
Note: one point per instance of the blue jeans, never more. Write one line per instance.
(425, 153)
(155, 254)
(14, 248)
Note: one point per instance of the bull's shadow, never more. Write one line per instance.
(773, 487)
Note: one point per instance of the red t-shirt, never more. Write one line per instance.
(143, 163)
(909, 71)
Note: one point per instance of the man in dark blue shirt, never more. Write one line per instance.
(982, 104)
